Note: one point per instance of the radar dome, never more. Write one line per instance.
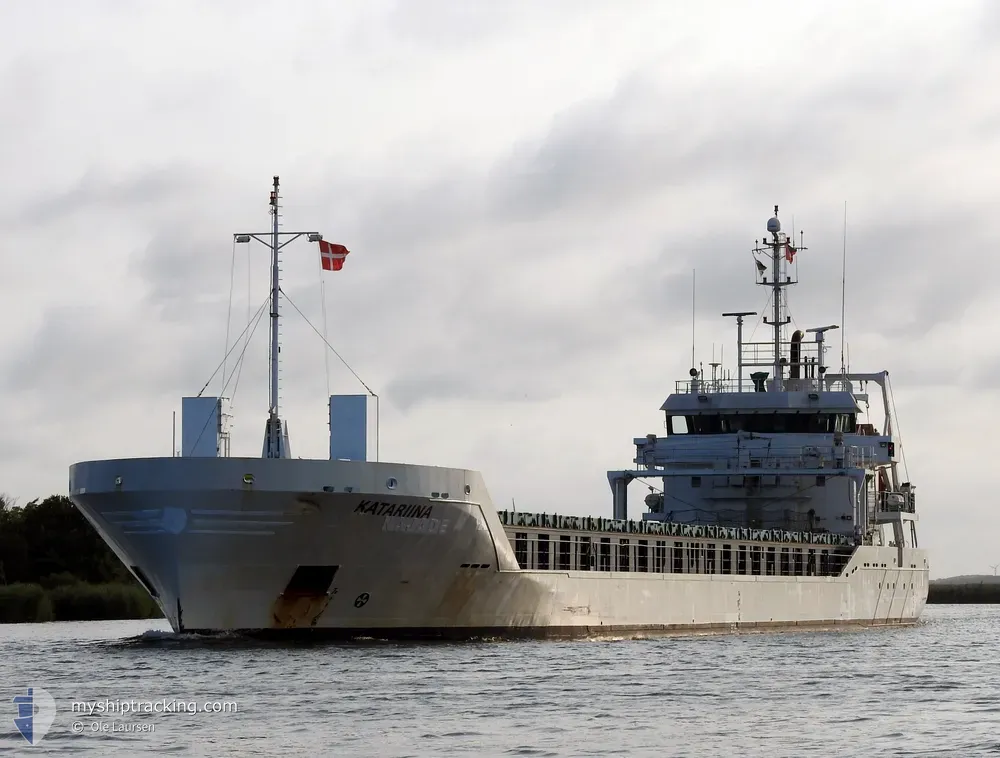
(773, 225)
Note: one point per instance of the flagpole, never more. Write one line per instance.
(326, 353)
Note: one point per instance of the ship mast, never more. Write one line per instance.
(273, 446)
(276, 433)
(774, 228)
(778, 247)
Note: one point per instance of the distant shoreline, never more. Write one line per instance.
(956, 591)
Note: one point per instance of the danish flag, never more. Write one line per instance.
(331, 255)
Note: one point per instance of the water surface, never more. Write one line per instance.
(928, 690)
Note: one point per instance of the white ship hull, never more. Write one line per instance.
(218, 541)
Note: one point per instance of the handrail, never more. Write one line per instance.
(767, 457)
(607, 526)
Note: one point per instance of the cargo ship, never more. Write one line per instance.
(774, 501)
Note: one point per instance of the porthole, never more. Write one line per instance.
(468, 489)
(391, 482)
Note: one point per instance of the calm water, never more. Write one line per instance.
(929, 690)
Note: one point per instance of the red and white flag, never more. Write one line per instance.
(789, 252)
(332, 255)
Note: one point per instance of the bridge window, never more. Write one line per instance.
(677, 425)
(678, 557)
(642, 556)
(846, 423)
(741, 560)
(769, 562)
(763, 423)
(565, 543)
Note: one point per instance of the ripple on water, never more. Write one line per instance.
(926, 690)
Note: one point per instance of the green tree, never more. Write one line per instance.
(52, 537)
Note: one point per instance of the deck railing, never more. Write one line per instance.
(717, 386)
(757, 454)
(556, 521)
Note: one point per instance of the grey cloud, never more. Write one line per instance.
(441, 24)
(513, 356)
(96, 190)
(644, 138)
(595, 158)
(184, 270)
(444, 24)
(81, 355)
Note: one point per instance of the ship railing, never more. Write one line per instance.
(730, 385)
(590, 524)
(771, 457)
(711, 386)
(761, 354)
(839, 385)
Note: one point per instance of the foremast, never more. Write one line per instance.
(276, 432)
(275, 439)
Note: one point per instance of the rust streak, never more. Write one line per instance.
(297, 611)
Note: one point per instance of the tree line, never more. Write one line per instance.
(49, 538)
(55, 566)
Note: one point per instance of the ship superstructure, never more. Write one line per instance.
(773, 501)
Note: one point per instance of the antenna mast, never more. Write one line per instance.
(739, 344)
(777, 248)
(843, 295)
(276, 433)
(275, 288)
(694, 274)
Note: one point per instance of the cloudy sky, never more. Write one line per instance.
(525, 188)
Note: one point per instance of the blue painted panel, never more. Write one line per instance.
(349, 421)
(201, 425)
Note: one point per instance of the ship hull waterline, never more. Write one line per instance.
(339, 549)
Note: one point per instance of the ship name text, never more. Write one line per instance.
(415, 525)
(401, 510)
